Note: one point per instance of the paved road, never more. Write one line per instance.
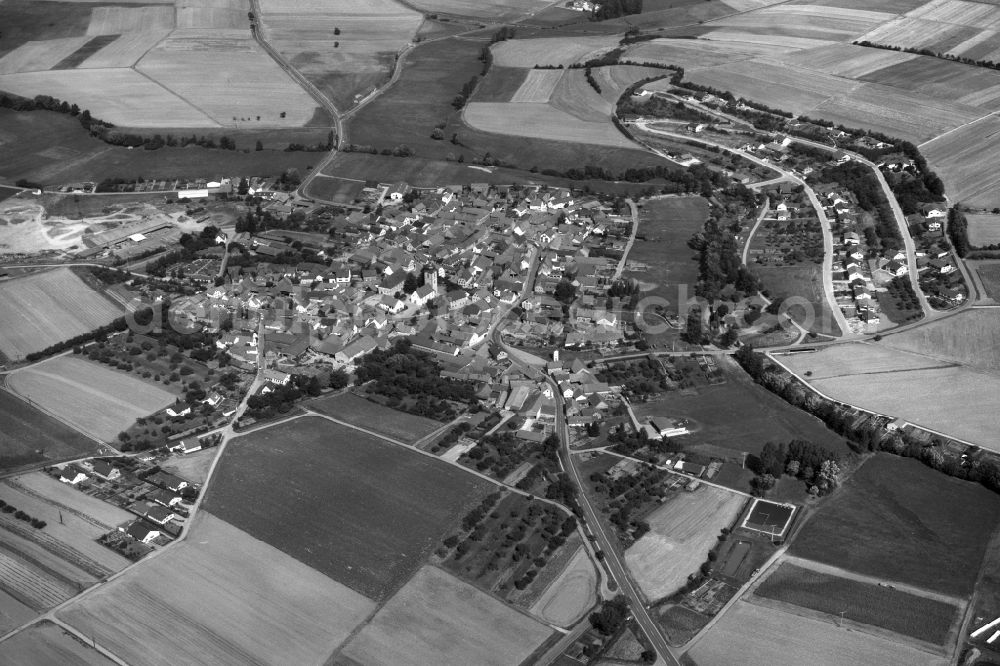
(824, 222)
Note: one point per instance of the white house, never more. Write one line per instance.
(72, 475)
(186, 446)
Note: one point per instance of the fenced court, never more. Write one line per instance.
(769, 518)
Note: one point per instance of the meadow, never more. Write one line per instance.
(682, 531)
(45, 308)
(897, 520)
(46, 643)
(438, 619)
(755, 635)
(364, 512)
(665, 227)
(95, 399)
(256, 605)
(739, 416)
(915, 616)
(541, 121)
(30, 436)
(983, 229)
(392, 423)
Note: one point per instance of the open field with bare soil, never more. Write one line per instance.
(46, 643)
(359, 411)
(760, 636)
(124, 51)
(40, 56)
(46, 308)
(551, 50)
(984, 229)
(570, 595)
(438, 619)
(908, 386)
(898, 520)
(121, 20)
(30, 436)
(542, 122)
(908, 614)
(682, 531)
(97, 400)
(971, 338)
(362, 511)
(255, 605)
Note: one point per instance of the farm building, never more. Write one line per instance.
(186, 446)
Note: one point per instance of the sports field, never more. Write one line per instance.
(358, 411)
(364, 512)
(570, 595)
(438, 619)
(46, 308)
(682, 531)
(29, 435)
(908, 614)
(254, 605)
(984, 229)
(46, 643)
(769, 517)
(898, 520)
(94, 398)
(754, 635)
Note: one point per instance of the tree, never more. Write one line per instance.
(258, 146)
(339, 379)
(565, 291)
(411, 284)
(609, 619)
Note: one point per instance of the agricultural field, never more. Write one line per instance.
(345, 50)
(689, 53)
(31, 436)
(915, 616)
(501, 83)
(739, 416)
(984, 229)
(971, 338)
(908, 386)
(943, 80)
(45, 308)
(364, 512)
(551, 51)
(505, 9)
(48, 147)
(538, 86)
(255, 605)
(438, 619)
(660, 257)
(364, 413)
(682, 531)
(805, 21)
(780, 85)
(95, 399)
(764, 38)
(756, 635)
(988, 274)
(538, 121)
(46, 643)
(964, 159)
(570, 595)
(898, 520)
(846, 60)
